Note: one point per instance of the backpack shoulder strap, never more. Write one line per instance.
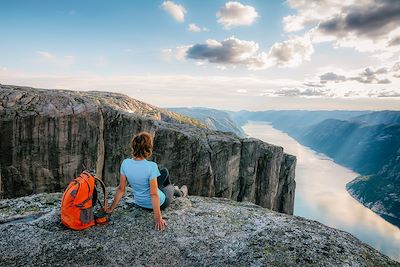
(103, 187)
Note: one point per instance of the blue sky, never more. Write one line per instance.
(239, 54)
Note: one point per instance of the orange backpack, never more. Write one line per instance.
(79, 200)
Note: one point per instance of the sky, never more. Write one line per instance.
(254, 55)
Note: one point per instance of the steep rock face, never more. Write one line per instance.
(200, 232)
(49, 136)
(39, 153)
(260, 160)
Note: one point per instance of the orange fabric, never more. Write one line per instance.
(76, 204)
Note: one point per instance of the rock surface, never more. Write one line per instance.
(201, 232)
(47, 137)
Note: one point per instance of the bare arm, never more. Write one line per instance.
(155, 201)
(119, 193)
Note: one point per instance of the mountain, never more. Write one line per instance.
(293, 121)
(201, 231)
(366, 142)
(380, 191)
(213, 118)
(373, 150)
(47, 137)
(378, 117)
(363, 148)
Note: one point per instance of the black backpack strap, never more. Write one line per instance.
(103, 187)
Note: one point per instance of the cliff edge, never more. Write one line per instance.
(201, 232)
(47, 137)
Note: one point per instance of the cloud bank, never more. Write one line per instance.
(233, 51)
(365, 25)
(367, 76)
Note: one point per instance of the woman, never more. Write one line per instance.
(152, 189)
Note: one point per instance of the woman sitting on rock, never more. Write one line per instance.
(152, 189)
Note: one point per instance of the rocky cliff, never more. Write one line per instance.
(201, 232)
(47, 137)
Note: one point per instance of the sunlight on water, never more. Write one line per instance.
(321, 193)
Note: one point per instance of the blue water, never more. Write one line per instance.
(321, 194)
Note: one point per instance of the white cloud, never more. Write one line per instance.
(176, 11)
(291, 53)
(233, 51)
(177, 53)
(194, 28)
(365, 25)
(332, 77)
(56, 60)
(230, 51)
(45, 54)
(386, 93)
(299, 92)
(310, 13)
(236, 14)
(368, 75)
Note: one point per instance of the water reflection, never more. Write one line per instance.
(321, 193)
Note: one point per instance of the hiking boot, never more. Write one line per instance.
(177, 191)
(184, 191)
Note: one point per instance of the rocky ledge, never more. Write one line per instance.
(47, 137)
(201, 232)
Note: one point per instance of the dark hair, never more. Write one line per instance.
(142, 145)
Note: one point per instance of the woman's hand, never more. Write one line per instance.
(161, 224)
(155, 202)
(118, 194)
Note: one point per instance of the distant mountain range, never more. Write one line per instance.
(213, 118)
(292, 121)
(368, 142)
